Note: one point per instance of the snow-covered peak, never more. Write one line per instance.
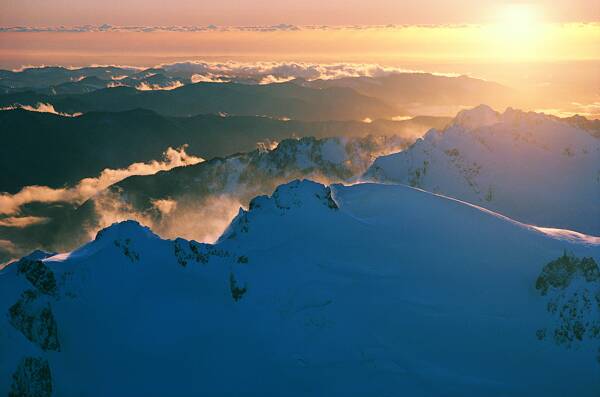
(38, 255)
(295, 194)
(477, 117)
(300, 193)
(297, 197)
(529, 166)
(125, 230)
(362, 290)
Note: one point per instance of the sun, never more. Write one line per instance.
(517, 31)
(518, 18)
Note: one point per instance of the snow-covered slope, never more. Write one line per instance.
(531, 167)
(212, 192)
(359, 290)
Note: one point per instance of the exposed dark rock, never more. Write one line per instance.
(236, 292)
(32, 316)
(572, 286)
(327, 199)
(39, 275)
(125, 246)
(186, 251)
(560, 272)
(32, 378)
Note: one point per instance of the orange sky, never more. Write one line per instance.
(522, 44)
(266, 12)
(472, 43)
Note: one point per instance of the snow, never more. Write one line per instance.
(387, 290)
(531, 167)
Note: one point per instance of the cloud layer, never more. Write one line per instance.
(277, 72)
(282, 27)
(42, 108)
(10, 204)
(148, 29)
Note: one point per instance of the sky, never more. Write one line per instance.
(481, 38)
(270, 12)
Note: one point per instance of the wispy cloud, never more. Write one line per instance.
(22, 221)
(148, 29)
(10, 204)
(277, 72)
(7, 246)
(42, 108)
(282, 27)
(143, 86)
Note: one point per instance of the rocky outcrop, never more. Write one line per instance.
(32, 378)
(38, 274)
(32, 316)
(572, 288)
(237, 292)
(560, 272)
(126, 247)
(192, 251)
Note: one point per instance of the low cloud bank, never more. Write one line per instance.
(261, 72)
(201, 219)
(10, 204)
(42, 108)
(278, 72)
(143, 86)
(283, 27)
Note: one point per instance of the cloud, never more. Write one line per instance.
(42, 108)
(114, 84)
(207, 78)
(22, 222)
(588, 110)
(270, 79)
(8, 246)
(278, 72)
(203, 220)
(11, 203)
(204, 217)
(143, 86)
(198, 71)
(72, 68)
(283, 27)
(267, 145)
(164, 206)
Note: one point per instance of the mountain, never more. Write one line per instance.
(41, 148)
(535, 168)
(425, 93)
(415, 93)
(357, 290)
(196, 201)
(34, 78)
(285, 100)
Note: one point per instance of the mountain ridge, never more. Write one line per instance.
(301, 300)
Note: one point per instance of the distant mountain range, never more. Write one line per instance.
(402, 92)
(42, 148)
(338, 290)
(284, 100)
(424, 92)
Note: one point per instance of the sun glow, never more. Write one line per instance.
(519, 18)
(518, 30)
